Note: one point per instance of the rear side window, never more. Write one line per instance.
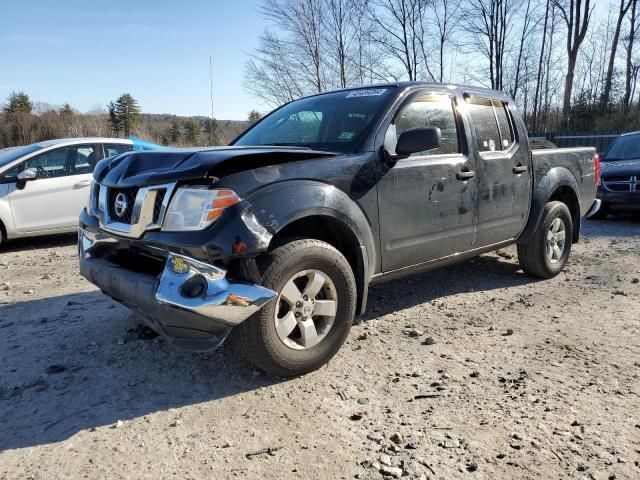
(115, 149)
(493, 127)
(506, 133)
(429, 111)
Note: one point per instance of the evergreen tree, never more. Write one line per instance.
(254, 116)
(66, 112)
(174, 133)
(18, 102)
(192, 131)
(114, 120)
(124, 114)
(212, 131)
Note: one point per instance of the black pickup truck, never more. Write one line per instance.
(279, 235)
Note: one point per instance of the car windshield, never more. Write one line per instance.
(623, 148)
(334, 122)
(9, 156)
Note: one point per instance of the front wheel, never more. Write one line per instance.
(546, 253)
(311, 317)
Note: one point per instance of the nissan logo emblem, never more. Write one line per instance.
(121, 204)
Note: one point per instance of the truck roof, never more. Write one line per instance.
(413, 84)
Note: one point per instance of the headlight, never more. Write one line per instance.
(196, 208)
(91, 199)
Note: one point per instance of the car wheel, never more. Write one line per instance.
(546, 254)
(601, 214)
(312, 314)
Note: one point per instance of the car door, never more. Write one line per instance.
(426, 201)
(503, 167)
(55, 198)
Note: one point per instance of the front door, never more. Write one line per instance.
(56, 197)
(503, 168)
(427, 201)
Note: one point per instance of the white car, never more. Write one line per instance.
(44, 186)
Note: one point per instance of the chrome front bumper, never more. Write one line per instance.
(190, 302)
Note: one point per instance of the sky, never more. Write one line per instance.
(89, 52)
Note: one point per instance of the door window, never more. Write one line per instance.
(115, 149)
(76, 160)
(81, 159)
(493, 127)
(427, 111)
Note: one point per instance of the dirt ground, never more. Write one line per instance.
(474, 372)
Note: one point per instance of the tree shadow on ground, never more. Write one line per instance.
(36, 243)
(488, 272)
(64, 370)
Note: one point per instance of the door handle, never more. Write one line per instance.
(519, 169)
(465, 175)
(82, 184)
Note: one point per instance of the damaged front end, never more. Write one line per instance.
(182, 256)
(193, 304)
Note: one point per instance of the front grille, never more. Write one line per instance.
(157, 206)
(618, 178)
(118, 214)
(622, 183)
(618, 187)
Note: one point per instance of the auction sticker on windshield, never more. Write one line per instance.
(368, 92)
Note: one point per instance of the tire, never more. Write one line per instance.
(538, 257)
(303, 262)
(601, 214)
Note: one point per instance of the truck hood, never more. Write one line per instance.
(621, 167)
(166, 166)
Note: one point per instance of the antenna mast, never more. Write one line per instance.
(211, 96)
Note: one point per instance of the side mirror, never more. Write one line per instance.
(419, 139)
(24, 177)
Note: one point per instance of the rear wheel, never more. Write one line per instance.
(546, 254)
(312, 314)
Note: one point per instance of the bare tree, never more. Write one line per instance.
(528, 25)
(446, 17)
(631, 73)
(576, 16)
(489, 22)
(303, 19)
(622, 13)
(400, 33)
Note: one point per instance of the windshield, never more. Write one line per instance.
(334, 122)
(623, 148)
(9, 156)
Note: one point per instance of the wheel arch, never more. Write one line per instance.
(558, 184)
(316, 210)
(336, 233)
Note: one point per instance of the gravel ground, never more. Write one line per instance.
(474, 371)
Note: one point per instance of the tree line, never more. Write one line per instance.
(23, 121)
(570, 65)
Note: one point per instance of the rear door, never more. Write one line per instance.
(503, 167)
(426, 201)
(55, 198)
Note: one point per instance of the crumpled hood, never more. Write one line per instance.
(166, 166)
(621, 167)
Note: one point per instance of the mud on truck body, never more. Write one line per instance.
(279, 235)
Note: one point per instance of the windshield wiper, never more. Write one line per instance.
(284, 144)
